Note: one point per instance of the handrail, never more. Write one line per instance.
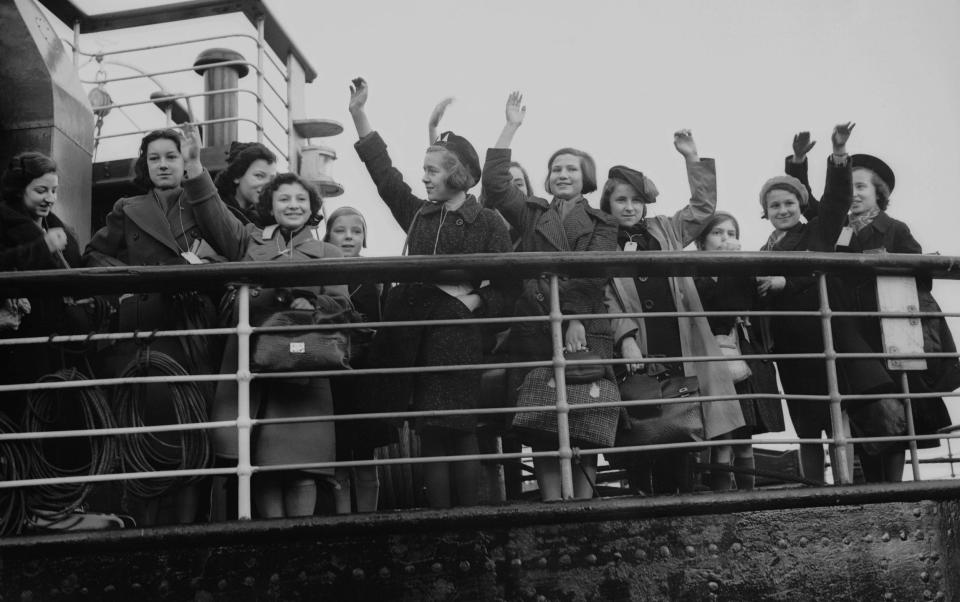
(122, 279)
(554, 265)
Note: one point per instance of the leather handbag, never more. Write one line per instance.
(885, 417)
(665, 422)
(584, 373)
(291, 351)
(588, 426)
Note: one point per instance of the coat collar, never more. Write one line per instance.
(146, 214)
(469, 210)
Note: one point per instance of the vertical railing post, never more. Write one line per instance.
(908, 408)
(244, 426)
(840, 458)
(559, 377)
(260, 50)
(76, 44)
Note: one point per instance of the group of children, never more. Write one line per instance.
(251, 213)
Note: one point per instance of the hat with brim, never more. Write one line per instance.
(788, 183)
(642, 184)
(463, 150)
(877, 166)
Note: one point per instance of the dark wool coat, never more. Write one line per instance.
(142, 231)
(889, 235)
(734, 293)
(22, 247)
(432, 230)
(795, 334)
(275, 443)
(540, 228)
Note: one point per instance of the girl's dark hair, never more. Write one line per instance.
(587, 167)
(526, 176)
(718, 218)
(265, 204)
(23, 169)
(141, 175)
(239, 159)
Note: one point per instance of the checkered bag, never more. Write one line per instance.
(595, 427)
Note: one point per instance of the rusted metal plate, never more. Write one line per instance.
(570, 552)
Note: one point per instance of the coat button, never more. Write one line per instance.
(648, 304)
(255, 293)
(539, 296)
(136, 236)
(642, 278)
(459, 222)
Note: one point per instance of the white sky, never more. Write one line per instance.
(616, 78)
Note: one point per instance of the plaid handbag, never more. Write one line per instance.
(588, 426)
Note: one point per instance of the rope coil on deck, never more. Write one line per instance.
(14, 465)
(147, 452)
(44, 410)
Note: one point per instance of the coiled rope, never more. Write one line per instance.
(147, 452)
(44, 412)
(14, 465)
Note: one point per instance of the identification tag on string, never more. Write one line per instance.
(845, 236)
(630, 246)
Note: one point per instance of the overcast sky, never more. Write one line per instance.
(616, 78)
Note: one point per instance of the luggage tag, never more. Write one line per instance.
(630, 246)
(845, 236)
(191, 255)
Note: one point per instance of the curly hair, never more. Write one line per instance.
(265, 204)
(239, 159)
(141, 174)
(23, 169)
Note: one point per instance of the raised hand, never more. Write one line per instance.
(841, 133)
(358, 94)
(190, 142)
(56, 239)
(685, 145)
(435, 118)
(515, 109)
(439, 110)
(802, 144)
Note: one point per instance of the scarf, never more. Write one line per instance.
(563, 207)
(859, 222)
(775, 237)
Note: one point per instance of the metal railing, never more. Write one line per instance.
(109, 281)
(262, 84)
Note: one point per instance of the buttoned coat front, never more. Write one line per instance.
(290, 443)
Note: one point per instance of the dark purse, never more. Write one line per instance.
(291, 351)
(660, 423)
(584, 373)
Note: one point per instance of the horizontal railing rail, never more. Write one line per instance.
(552, 266)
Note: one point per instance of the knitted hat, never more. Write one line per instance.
(788, 183)
(877, 166)
(642, 184)
(463, 150)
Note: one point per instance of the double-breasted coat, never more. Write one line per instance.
(288, 443)
(673, 233)
(798, 334)
(433, 230)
